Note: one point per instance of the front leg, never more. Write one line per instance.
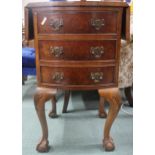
(40, 97)
(112, 95)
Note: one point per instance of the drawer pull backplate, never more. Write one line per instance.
(97, 23)
(58, 76)
(56, 24)
(97, 51)
(97, 76)
(56, 51)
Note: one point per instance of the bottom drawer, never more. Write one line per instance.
(69, 76)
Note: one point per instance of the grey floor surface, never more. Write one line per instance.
(78, 132)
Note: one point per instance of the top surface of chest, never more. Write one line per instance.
(115, 3)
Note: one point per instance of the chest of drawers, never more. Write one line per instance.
(77, 43)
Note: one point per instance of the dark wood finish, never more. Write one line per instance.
(77, 50)
(72, 37)
(77, 22)
(67, 83)
(77, 75)
(68, 69)
(125, 33)
(78, 33)
(112, 95)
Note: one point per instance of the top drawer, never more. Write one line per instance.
(76, 22)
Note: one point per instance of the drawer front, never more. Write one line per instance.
(77, 50)
(77, 75)
(77, 22)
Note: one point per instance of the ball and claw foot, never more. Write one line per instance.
(64, 111)
(43, 146)
(102, 115)
(108, 144)
(53, 114)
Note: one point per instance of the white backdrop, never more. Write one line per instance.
(25, 2)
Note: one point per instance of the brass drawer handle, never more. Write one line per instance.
(56, 51)
(97, 76)
(97, 51)
(97, 23)
(58, 76)
(56, 24)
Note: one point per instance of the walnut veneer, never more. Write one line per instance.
(77, 48)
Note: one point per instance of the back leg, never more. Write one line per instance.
(53, 112)
(66, 100)
(102, 113)
(129, 95)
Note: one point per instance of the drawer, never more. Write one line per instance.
(77, 50)
(77, 75)
(74, 22)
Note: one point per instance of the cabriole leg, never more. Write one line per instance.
(112, 95)
(40, 97)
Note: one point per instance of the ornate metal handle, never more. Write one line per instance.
(58, 76)
(96, 76)
(56, 24)
(56, 51)
(97, 51)
(97, 23)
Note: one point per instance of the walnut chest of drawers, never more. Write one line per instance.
(77, 43)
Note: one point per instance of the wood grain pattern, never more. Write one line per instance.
(112, 19)
(78, 75)
(77, 50)
(78, 22)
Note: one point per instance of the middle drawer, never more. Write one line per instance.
(77, 50)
